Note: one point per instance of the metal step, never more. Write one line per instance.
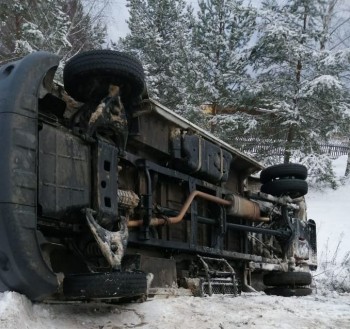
(219, 277)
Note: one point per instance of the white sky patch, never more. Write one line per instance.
(117, 26)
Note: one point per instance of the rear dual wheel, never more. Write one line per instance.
(285, 179)
(285, 170)
(288, 278)
(288, 292)
(294, 188)
(288, 284)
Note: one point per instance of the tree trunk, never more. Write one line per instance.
(289, 145)
(214, 113)
(292, 129)
(326, 22)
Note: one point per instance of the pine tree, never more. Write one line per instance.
(219, 62)
(221, 35)
(87, 29)
(298, 90)
(158, 36)
(58, 26)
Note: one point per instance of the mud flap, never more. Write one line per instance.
(22, 267)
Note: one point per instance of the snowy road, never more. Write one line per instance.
(248, 311)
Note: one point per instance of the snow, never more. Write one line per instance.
(323, 309)
(321, 83)
(330, 209)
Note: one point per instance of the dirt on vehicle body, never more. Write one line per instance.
(104, 189)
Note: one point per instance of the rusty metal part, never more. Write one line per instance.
(110, 110)
(72, 106)
(261, 266)
(252, 213)
(128, 199)
(247, 279)
(283, 201)
(111, 244)
(247, 209)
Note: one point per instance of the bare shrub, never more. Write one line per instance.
(333, 274)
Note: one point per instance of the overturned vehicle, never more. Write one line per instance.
(106, 194)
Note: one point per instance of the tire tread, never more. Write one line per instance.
(293, 187)
(105, 285)
(288, 278)
(296, 170)
(288, 292)
(103, 64)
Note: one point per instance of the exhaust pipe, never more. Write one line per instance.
(238, 207)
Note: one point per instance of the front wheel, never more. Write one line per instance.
(87, 76)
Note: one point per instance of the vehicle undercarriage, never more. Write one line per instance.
(107, 194)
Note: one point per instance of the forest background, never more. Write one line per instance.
(272, 73)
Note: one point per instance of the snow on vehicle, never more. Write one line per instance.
(103, 188)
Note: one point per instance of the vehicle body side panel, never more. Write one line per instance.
(20, 86)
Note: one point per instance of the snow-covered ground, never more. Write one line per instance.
(331, 211)
(248, 311)
(323, 309)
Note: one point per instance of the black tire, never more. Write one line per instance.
(294, 188)
(288, 170)
(288, 292)
(105, 285)
(87, 76)
(288, 279)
